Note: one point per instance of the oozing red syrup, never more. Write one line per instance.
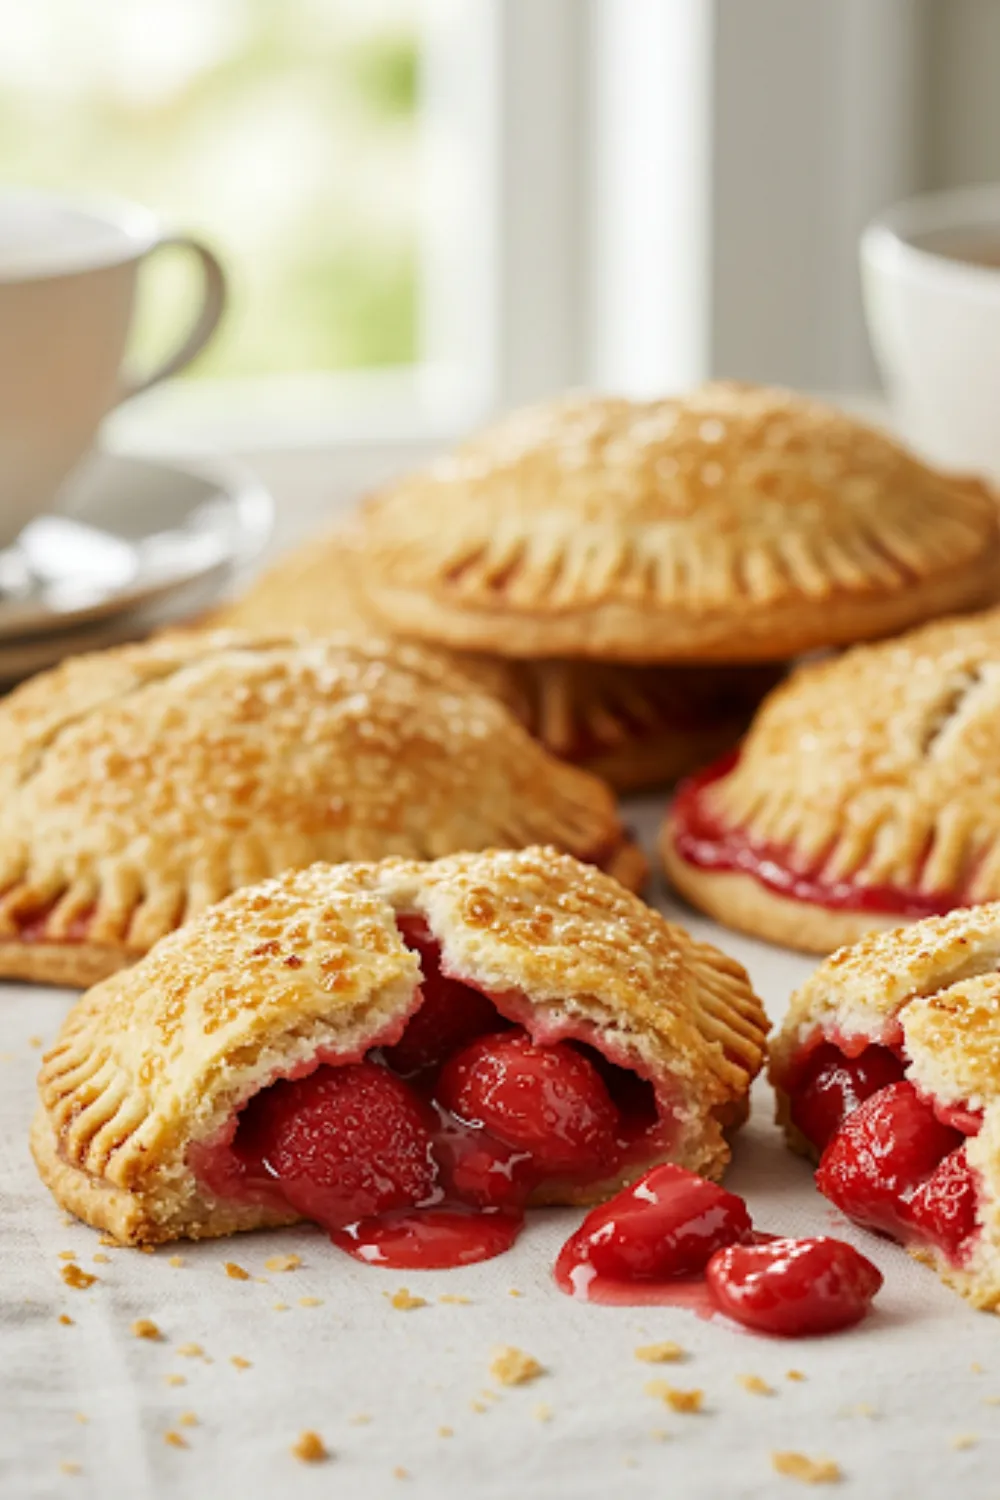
(892, 1159)
(673, 1238)
(704, 840)
(425, 1151)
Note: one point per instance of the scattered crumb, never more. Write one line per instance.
(190, 1351)
(310, 1301)
(109, 1241)
(458, 1301)
(404, 1300)
(489, 1395)
(686, 1401)
(280, 1307)
(35, 1041)
(360, 1419)
(175, 1439)
(66, 1320)
(176, 1260)
(235, 1272)
(101, 1259)
(514, 1292)
(310, 1448)
(283, 1263)
(965, 1440)
(145, 1328)
(987, 1400)
(175, 1380)
(400, 1473)
(69, 1467)
(667, 1353)
(977, 1368)
(513, 1367)
(478, 1406)
(446, 1432)
(794, 1375)
(809, 1470)
(240, 1362)
(659, 1433)
(542, 1412)
(82, 1418)
(75, 1276)
(67, 1255)
(146, 1249)
(756, 1385)
(187, 1419)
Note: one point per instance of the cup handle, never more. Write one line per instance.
(213, 303)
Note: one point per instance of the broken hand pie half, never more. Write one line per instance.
(406, 1054)
(140, 785)
(736, 523)
(866, 794)
(886, 1072)
(634, 726)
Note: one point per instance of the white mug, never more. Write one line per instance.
(934, 318)
(68, 272)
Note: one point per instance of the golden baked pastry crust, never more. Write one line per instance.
(737, 523)
(634, 726)
(140, 785)
(880, 768)
(159, 1058)
(938, 980)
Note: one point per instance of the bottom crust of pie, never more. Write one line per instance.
(741, 902)
(70, 965)
(125, 1215)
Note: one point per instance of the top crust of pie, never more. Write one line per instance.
(312, 965)
(139, 785)
(735, 523)
(938, 983)
(882, 767)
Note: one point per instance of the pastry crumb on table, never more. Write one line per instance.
(404, 1300)
(145, 1328)
(513, 1366)
(309, 1448)
(283, 1263)
(236, 1272)
(756, 1385)
(808, 1470)
(666, 1353)
(76, 1277)
(678, 1400)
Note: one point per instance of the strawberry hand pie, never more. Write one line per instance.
(406, 1054)
(866, 794)
(138, 786)
(886, 1073)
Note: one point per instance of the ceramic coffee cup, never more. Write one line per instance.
(68, 273)
(931, 274)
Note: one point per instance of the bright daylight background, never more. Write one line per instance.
(285, 133)
(432, 209)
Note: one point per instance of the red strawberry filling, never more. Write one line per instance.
(672, 1237)
(892, 1160)
(425, 1151)
(794, 1287)
(704, 840)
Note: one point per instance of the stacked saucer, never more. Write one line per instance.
(133, 545)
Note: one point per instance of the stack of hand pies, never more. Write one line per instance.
(359, 843)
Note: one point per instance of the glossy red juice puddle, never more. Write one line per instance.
(705, 841)
(425, 1150)
(673, 1239)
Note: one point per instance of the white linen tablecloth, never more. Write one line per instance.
(905, 1404)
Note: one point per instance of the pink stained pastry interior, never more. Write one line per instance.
(891, 1159)
(703, 839)
(425, 1150)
